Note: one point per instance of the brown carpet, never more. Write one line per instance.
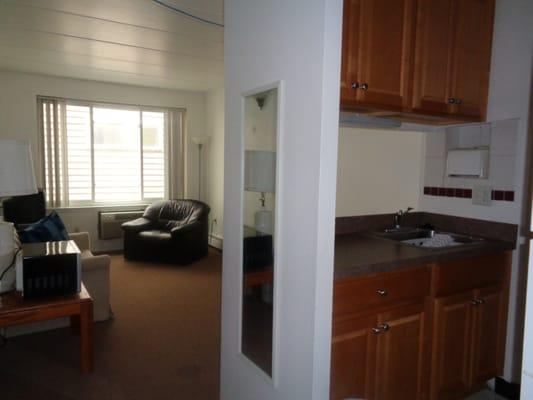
(164, 342)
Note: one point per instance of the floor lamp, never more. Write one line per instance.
(200, 141)
(16, 179)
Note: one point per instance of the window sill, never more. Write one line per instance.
(110, 207)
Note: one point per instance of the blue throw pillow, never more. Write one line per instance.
(48, 229)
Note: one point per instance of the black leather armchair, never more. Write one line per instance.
(173, 231)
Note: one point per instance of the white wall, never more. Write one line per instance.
(297, 42)
(215, 167)
(508, 100)
(379, 171)
(18, 119)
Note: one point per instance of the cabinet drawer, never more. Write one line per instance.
(357, 295)
(458, 276)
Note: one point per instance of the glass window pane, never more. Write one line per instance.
(117, 155)
(153, 154)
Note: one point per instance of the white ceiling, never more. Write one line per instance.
(125, 41)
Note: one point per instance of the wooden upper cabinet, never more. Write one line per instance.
(452, 57)
(377, 53)
(350, 40)
(432, 69)
(471, 55)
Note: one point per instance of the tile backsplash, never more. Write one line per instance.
(500, 137)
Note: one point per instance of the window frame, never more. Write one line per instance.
(167, 147)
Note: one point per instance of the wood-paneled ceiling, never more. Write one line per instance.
(125, 41)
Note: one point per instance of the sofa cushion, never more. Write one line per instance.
(47, 229)
(155, 235)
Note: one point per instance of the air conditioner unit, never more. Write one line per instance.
(109, 222)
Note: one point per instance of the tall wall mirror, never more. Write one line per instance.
(259, 208)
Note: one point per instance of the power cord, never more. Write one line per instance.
(11, 264)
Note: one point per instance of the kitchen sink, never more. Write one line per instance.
(427, 238)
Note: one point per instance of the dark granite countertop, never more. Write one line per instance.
(358, 254)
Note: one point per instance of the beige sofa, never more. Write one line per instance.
(95, 275)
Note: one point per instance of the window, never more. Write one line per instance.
(104, 154)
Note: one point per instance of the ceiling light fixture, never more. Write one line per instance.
(172, 7)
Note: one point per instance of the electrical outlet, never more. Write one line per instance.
(482, 195)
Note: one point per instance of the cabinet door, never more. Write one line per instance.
(433, 70)
(350, 42)
(399, 356)
(376, 53)
(452, 333)
(385, 52)
(353, 354)
(488, 340)
(472, 46)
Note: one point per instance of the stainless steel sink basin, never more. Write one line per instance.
(426, 238)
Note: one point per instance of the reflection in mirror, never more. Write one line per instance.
(260, 136)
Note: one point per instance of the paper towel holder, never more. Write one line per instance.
(468, 163)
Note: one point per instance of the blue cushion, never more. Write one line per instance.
(48, 229)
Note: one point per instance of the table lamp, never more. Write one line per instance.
(16, 179)
(260, 176)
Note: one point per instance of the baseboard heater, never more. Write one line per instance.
(109, 222)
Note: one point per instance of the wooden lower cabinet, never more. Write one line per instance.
(452, 333)
(468, 341)
(440, 339)
(488, 339)
(379, 356)
(353, 358)
(399, 354)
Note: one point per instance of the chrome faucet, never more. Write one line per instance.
(398, 217)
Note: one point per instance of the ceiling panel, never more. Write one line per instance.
(128, 41)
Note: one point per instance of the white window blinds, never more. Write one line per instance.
(105, 154)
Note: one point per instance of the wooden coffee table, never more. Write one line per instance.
(15, 310)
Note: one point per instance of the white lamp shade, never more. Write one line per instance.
(260, 171)
(16, 168)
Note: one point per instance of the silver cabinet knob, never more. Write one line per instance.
(382, 292)
(458, 101)
(380, 329)
(355, 85)
(480, 301)
(363, 86)
(451, 100)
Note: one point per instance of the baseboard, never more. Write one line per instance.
(509, 390)
(216, 241)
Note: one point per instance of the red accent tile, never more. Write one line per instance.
(450, 192)
(459, 192)
(442, 191)
(434, 191)
(509, 195)
(493, 195)
(427, 190)
(498, 195)
(467, 193)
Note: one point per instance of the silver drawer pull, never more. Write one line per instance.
(382, 292)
